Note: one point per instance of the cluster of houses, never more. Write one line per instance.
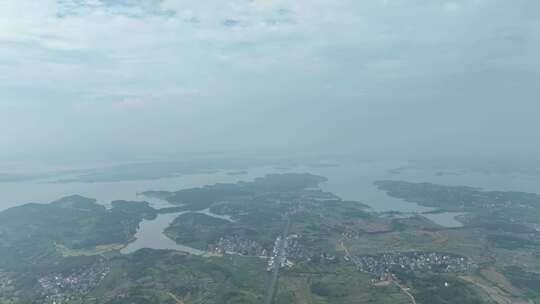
(278, 255)
(239, 245)
(385, 264)
(293, 251)
(63, 288)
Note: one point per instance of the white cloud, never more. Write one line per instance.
(139, 57)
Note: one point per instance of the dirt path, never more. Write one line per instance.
(175, 298)
(405, 291)
(402, 288)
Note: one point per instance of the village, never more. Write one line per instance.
(384, 265)
(58, 288)
(238, 245)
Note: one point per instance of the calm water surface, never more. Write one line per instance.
(349, 181)
(150, 235)
(18, 193)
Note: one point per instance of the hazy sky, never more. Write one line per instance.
(100, 78)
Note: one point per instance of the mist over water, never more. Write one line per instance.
(350, 180)
(44, 191)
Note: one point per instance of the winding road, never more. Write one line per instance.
(401, 287)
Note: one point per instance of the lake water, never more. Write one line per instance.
(150, 233)
(351, 181)
(355, 182)
(18, 193)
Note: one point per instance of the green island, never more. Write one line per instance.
(277, 239)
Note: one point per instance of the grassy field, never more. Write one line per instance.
(150, 276)
(98, 250)
(338, 283)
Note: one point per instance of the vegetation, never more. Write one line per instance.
(152, 276)
(444, 289)
(39, 239)
(335, 283)
(528, 281)
(201, 198)
(325, 241)
(200, 230)
(74, 222)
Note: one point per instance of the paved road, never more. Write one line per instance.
(277, 262)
